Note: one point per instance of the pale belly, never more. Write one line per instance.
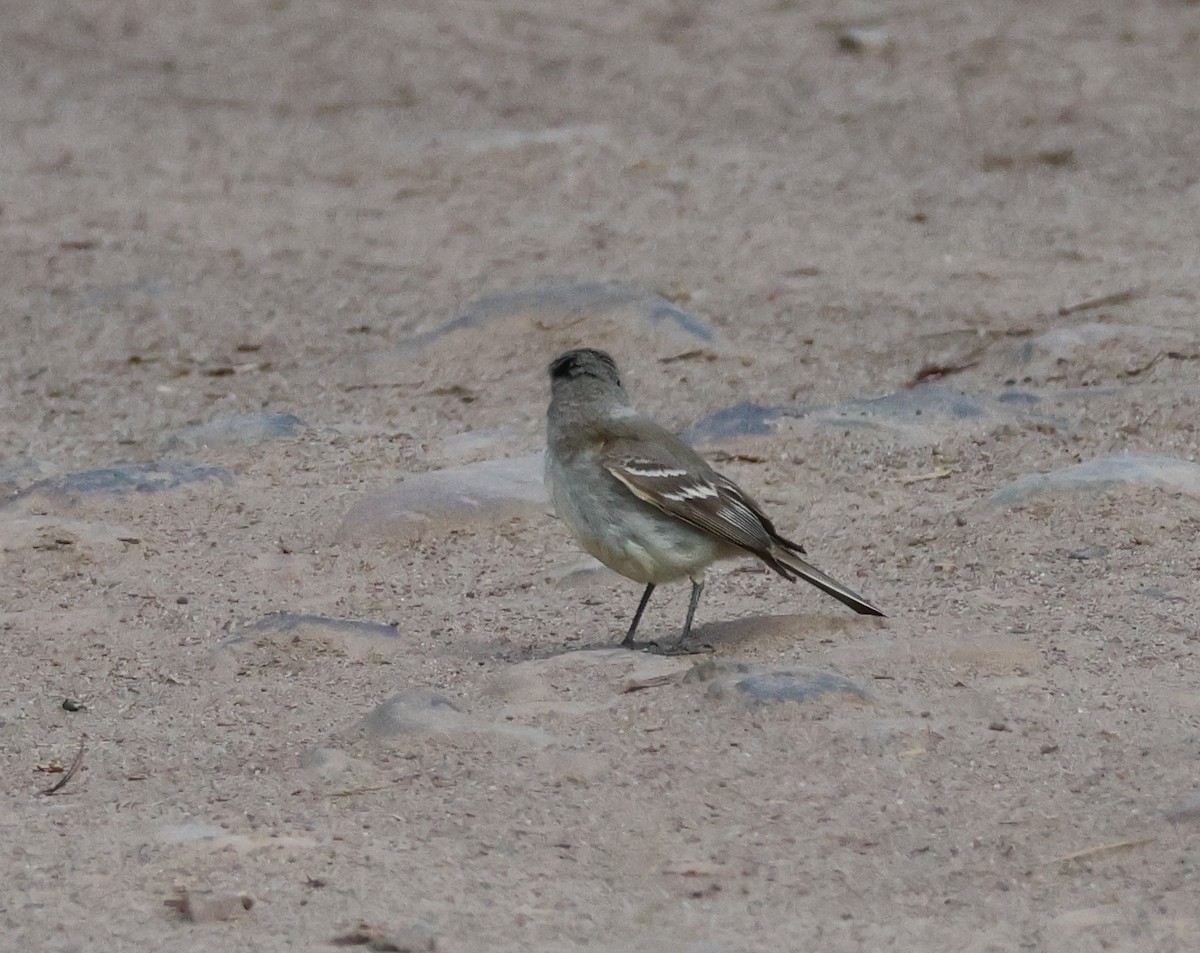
(627, 535)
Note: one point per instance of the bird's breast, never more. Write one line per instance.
(630, 536)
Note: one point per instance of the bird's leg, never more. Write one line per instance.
(637, 616)
(697, 588)
(680, 646)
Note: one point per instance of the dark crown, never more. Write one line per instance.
(584, 361)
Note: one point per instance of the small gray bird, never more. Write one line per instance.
(643, 502)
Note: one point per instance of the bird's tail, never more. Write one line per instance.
(791, 566)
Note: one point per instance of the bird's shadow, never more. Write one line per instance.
(770, 629)
(716, 637)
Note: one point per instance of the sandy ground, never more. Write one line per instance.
(230, 208)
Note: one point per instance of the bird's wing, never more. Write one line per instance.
(696, 495)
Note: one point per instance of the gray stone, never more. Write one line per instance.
(920, 413)
(581, 767)
(473, 441)
(736, 421)
(873, 40)
(292, 622)
(236, 429)
(1088, 552)
(419, 938)
(571, 302)
(18, 473)
(151, 288)
(423, 711)
(280, 633)
(578, 682)
(456, 498)
(205, 905)
(125, 478)
(333, 768)
(412, 711)
(916, 415)
(1161, 595)
(190, 833)
(37, 531)
(458, 140)
(1105, 473)
(1068, 342)
(1186, 813)
(1092, 351)
(785, 685)
(581, 573)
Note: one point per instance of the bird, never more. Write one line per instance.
(644, 503)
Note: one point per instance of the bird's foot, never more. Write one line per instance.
(673, 648)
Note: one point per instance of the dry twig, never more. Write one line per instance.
(70, 773)
(1103, 301)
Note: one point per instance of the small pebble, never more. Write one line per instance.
(138, 477)
(1104, 473)
(1187, 812)
(866, 39)
(1154, 592)
(416, 939)
(919, 415)
(413, 710)
(236, 429)
(476, 495)
(209, 906)
(556, 304)
(792, 685)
